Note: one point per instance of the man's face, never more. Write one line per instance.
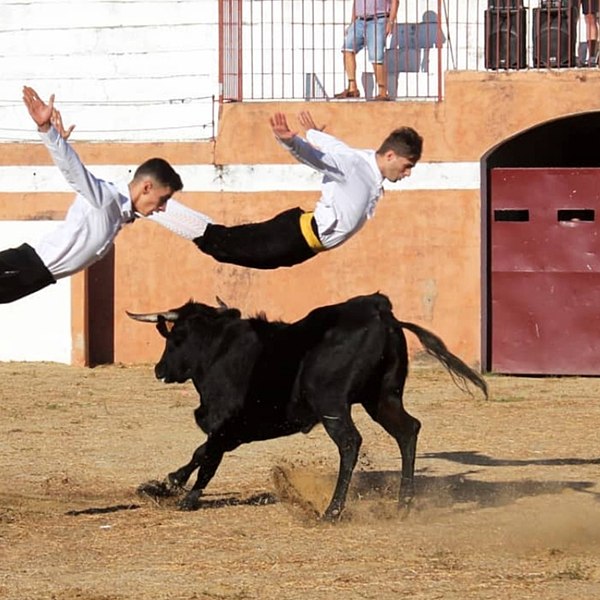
(394, 167)
(151, 197)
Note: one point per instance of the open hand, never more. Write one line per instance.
(56, 120)
(280, 127)
(305, 119)
(39, 111)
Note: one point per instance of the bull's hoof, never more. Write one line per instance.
(405, 506)
(159, 489)
(333, 515)
(190, 502)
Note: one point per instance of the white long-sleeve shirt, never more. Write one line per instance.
(352, 184)
(93, 220)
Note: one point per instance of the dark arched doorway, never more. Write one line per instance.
(541, 250)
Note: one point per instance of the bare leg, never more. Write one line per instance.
(591, 24)
(350, 67)
(381, 79)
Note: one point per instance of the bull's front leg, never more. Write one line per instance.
(206, 459)
(174, 483)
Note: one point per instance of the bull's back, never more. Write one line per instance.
(345, 340)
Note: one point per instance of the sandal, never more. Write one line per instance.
(348, 94)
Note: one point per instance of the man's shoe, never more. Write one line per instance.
(382, 98)
(347, 94)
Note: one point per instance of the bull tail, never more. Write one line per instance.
(434, 346)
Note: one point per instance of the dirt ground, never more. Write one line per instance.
(507, 505)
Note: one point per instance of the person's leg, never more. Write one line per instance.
(278, 242)
(353, 42)
(591, 24)
(375, 37)
(23, 273)
(181, 219)
(350, 68)
(381, 79)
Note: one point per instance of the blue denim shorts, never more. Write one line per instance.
(374, 33)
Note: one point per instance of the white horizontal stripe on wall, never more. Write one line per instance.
(241, 178)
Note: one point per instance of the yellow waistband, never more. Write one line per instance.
(309, 235)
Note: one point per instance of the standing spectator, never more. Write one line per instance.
(589, 8)
(372, 21)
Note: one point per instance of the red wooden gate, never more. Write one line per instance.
(545, 271)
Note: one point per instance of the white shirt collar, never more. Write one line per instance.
(371, 158)
(127, 210)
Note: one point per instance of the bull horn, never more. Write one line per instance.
(221, 303)
(169, 315)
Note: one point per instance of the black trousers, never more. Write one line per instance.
(271, 244)
(22, 272)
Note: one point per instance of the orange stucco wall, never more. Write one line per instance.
(422, 248)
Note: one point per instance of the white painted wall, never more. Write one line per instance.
(121, 70)
(38, 327)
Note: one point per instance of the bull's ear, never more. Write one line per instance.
(221, 304)
(164, 326)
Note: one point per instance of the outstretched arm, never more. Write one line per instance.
(95, 191)
(302, 150)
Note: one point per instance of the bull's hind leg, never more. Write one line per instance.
(404, 428)
(343, 432)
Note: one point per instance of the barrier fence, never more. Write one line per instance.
(291, 49)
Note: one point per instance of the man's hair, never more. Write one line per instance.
(404, 141)
(160, 170)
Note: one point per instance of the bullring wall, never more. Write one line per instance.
(423, 247)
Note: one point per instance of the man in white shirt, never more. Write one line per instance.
(351, 187)
(94, 218)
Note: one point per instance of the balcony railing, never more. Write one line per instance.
(291, 49)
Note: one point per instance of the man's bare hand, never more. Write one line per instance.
(56, 120)
(280, 128)
(305, 119)
(39, 111)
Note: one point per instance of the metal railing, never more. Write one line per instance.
(291, 49)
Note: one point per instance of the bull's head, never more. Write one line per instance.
(164, 320)
(170, 368)
(181, 328)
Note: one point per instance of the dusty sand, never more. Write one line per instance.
(507, 506)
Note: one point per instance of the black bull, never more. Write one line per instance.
(259, 380)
